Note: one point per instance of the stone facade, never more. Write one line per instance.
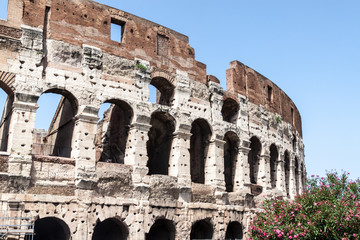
(194, 165)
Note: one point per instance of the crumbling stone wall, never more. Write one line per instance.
(197, 163)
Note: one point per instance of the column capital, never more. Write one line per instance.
(244, 150)
(140, 126)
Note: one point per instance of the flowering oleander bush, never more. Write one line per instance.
(329, 208)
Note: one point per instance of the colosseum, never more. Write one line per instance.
(196, 163)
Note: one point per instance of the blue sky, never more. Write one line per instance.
(310, 49)
(3, 9)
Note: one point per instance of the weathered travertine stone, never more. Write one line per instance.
(196, 163)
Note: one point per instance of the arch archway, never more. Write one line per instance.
(230, 159)
(254, 159)
(6, 103)
(199, 143)
(230, 110)
(51, 228)
(159, 143)
(57, 139)
(234, 231)
(274, 155)
(165, 90)
(162, 229)
(110, 229)
(113, 130)
(202, 229)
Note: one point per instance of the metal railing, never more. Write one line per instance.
(22, 226)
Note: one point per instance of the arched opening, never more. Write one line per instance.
(51, 228)
(159, 144)
(57, 139)
(6, 102)
(303, 175)
(110, 229)
(230, 110)
(274, 155)
(230, 159)
(202, 229)
(162, 229)
(113, 130)
(297, 184)
(287, 172)
(165, 90)
(294, 143)
(199, 143)
(254, 159)
(234, 231)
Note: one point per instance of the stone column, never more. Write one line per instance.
(20, 134)
(83, 148)
(214, 165)
(182, 89)
(280, 174)
(136, 152)
(180, 156)
(242, 171)
(292, 177)
(299, 177)
(264, 172)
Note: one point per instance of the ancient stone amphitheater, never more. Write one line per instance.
(194, 165)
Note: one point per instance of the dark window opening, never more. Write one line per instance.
(230, 110)
(110, 229)
(164, 91)
(287, 173)
(294, 142)
(230, 159)
(159, 143)
(162, 229)
(162, 45)
(202, 229)
(3, 9)
(117, 30)
(234, 231)
(57, 140)
(270, 94)
(112, 132)
(292, 116)
(50, 228)
(254, 159)
(273, 165)
(303, 175)
(199, 143)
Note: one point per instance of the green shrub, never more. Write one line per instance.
(141, 67)
(329, 208)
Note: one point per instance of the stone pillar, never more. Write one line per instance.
(214, 165)
(136, 152)
(292, 177)
(180, 156)
(20, 134)
(182, 89)
(299, 177)
(242, 171)
(83, 148)
(280, 174)
(264, 172)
